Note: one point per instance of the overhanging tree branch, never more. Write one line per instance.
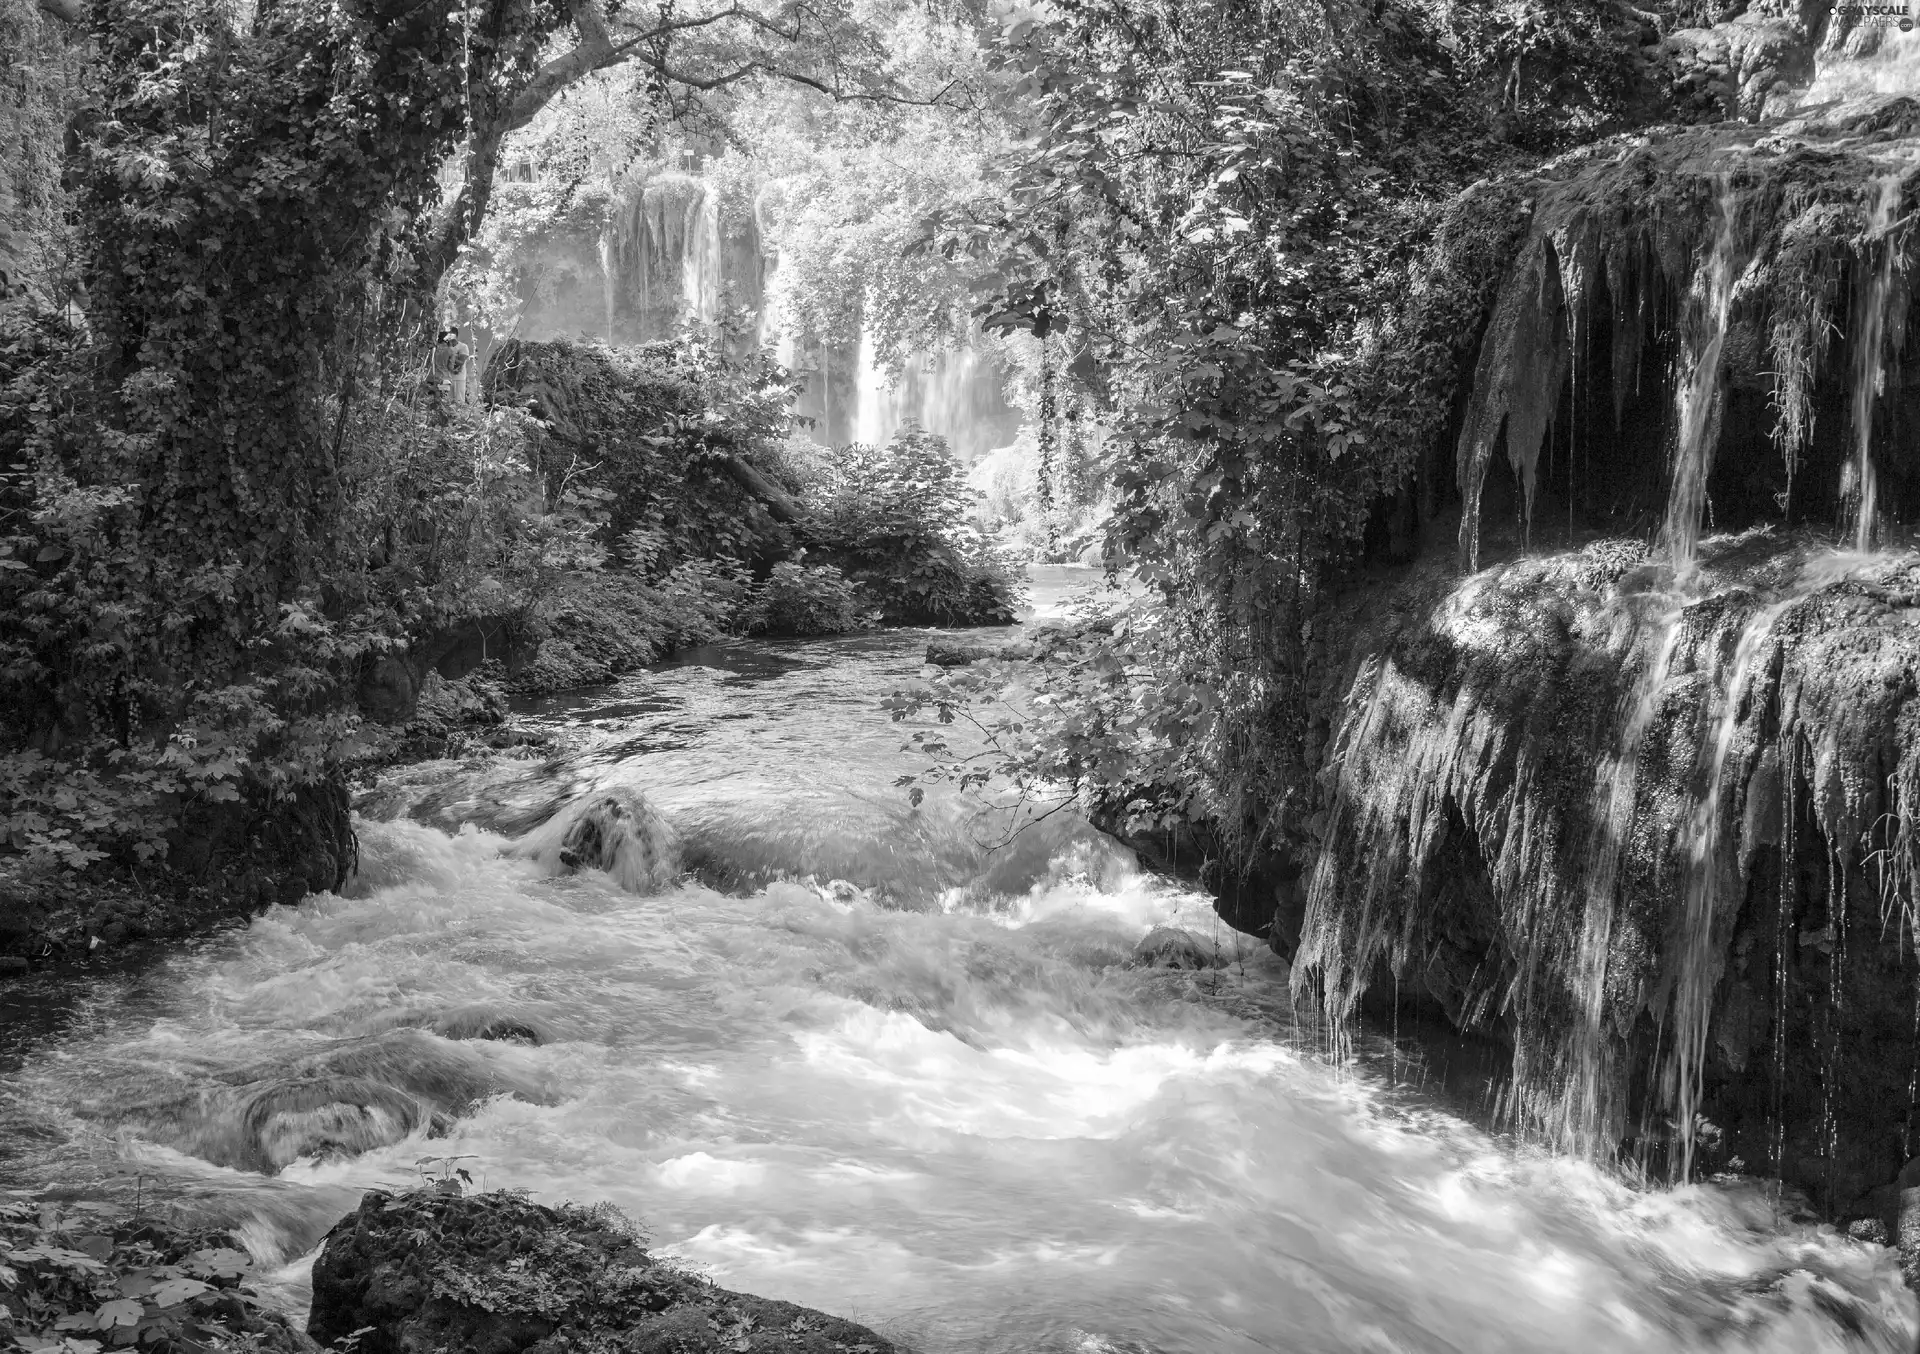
(598, 48)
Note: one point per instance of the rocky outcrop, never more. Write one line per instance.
(1755, 66)
(438, 1273)
(225, 860)
(1642, 803)
(1659, 834)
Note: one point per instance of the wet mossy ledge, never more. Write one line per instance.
(445, 1273)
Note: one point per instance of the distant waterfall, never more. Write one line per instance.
(952, 392)
(669, 261)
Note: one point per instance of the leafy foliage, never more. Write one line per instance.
(86, 1277)
(1211, 238)
(190, 514)
(45, 78)
(798, 599)
(647, 444)
(1087, 715)
(894, 519)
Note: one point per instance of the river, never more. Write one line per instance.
(867, 1058)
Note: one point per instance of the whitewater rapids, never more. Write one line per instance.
(861, 1058)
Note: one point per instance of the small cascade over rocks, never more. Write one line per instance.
(1662, 833)
(614, 830)
(1747, 236)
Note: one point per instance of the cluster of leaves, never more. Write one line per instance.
(649, 443)
(1212, 233)
(799, 599)
(895, 518)
(1085, 716)
(88, 1278)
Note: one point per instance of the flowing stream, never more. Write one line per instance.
(871, 1059)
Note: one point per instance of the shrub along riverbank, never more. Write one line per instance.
(599, 511)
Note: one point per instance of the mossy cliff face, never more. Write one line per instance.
(1629, 791)
(1658, 836)
(1725, 257)
(495, 1274)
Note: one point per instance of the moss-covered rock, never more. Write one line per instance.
(435, 1273)
(1659, 835)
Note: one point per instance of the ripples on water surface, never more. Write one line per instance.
(926, 1096)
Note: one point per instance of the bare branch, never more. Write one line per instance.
(593, 51)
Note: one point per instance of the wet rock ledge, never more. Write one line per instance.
(433, 1273)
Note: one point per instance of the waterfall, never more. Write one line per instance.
(1710, 862)
(701, 280)
(606, 280)
(876, 416)
(1865, 60)
(1558, 794)
(1700, 392)
(1587, 1109)
(952, 392)
(1870, 358)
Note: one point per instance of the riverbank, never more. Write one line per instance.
(448, 697)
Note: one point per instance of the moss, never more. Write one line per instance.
(498, 1274)
(1529, 257)
(1505, 836)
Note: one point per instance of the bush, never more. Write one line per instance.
(801, 600)
(895, 520)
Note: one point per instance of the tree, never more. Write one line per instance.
(1213, 234)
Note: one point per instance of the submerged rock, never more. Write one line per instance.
(1174, 947)
(349, 1097)
(484, 1022)
(436, 1273)
(614, 830)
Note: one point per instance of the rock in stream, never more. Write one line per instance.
(434, 1273)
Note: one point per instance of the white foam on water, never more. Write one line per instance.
(971, 1127)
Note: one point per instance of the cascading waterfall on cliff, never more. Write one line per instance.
(701, 271)
(1636, 807)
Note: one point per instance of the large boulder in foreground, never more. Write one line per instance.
(432, 1273)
